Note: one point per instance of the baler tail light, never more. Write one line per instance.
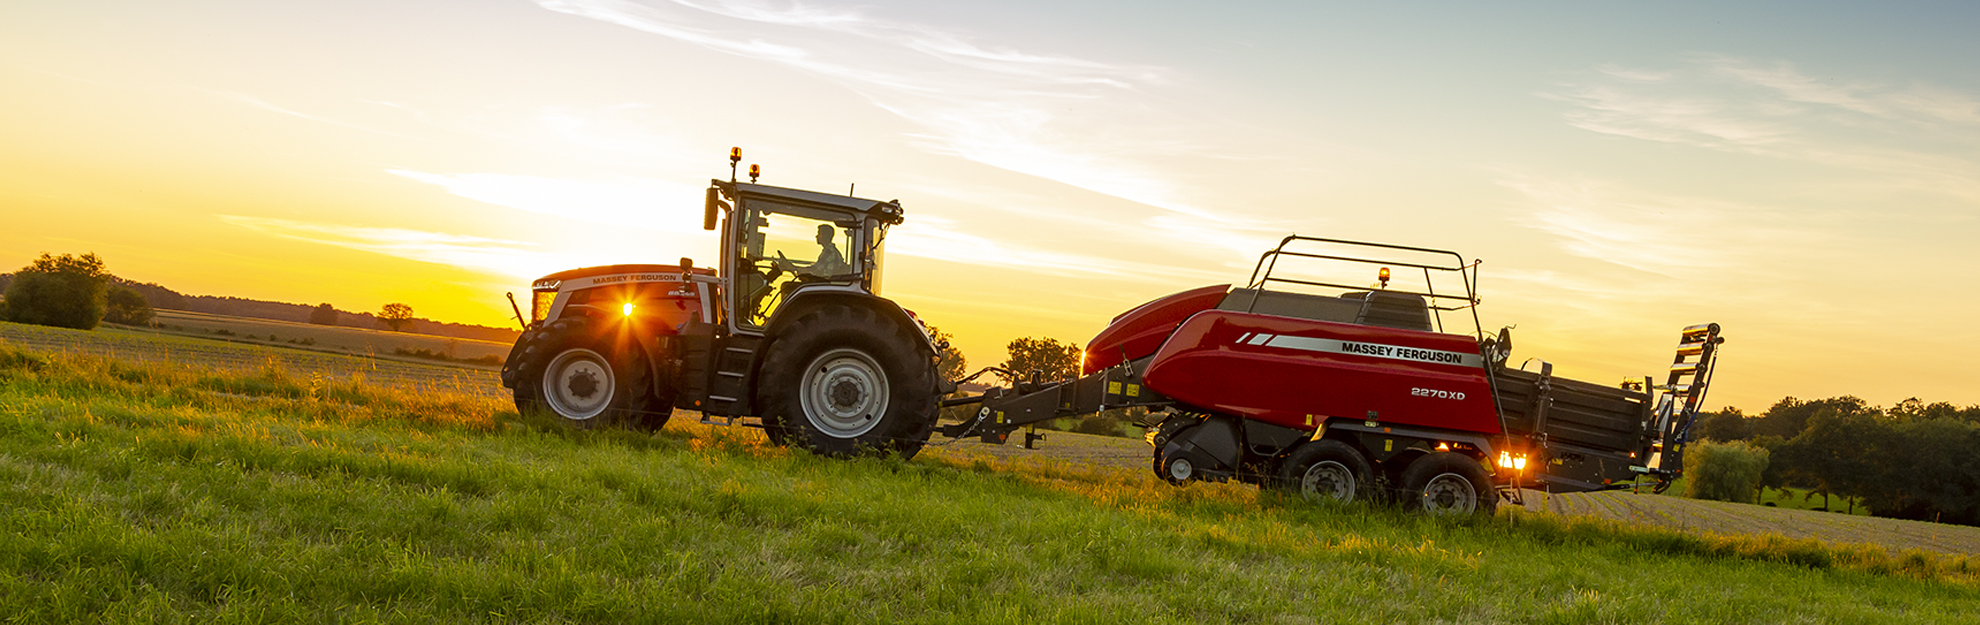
(1509, 461)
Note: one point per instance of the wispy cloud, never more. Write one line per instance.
(942, 239)
(1016, 110)
(1673, 237)
(1896, 136)
(633, 203)
(499, 256)
(265, 106)
(658, 206)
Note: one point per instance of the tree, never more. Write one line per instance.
(1841, 451)
(1788, 417)
(1054, 360)
(1912, 409)
(324, 315)
(127, 307)
(1724, 471)
(396, 316)
(951, 363)
(63, 291)
(1725, 425)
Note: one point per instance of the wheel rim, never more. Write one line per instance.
(845, 393)
(1180, 469)
(578, 384)
(1328, 480)
(1449, 493)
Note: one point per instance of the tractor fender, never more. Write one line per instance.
(651, 337)
(815, 297)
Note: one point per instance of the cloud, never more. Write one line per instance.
(941, 239)
(499, 256)
(265, 106)
(1914, 138)
(1024, 112)
(1682, 238)
(643, 204)
(634, 203)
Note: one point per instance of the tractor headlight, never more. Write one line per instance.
(627, 309)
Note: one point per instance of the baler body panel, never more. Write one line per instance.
(1140, 331)
(1295, 372)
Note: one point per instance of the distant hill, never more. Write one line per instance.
(168, 299)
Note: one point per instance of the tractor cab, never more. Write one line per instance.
(778, 242)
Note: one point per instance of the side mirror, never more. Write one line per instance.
(708, 214)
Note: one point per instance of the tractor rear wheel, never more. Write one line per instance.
(586, 380)
(1327, 471)
(1446, 483)
(844, 380)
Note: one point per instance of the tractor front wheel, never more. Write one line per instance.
(586, 380)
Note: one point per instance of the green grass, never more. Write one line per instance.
(333, 339)
(163, 493)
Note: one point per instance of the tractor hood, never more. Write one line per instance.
(630, 273)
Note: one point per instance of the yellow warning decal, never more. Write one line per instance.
(1000, 416)
(1134, 390)
(1113, 388)
(1389, 445)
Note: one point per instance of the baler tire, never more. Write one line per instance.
(1163, 432)
(1315, 472)
(569, 349)
(1445, 482)
(837, 361)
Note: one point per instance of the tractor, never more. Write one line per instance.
(787, 331)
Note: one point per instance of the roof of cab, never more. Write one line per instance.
(888, 211)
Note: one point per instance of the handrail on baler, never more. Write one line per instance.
(1467, 274)
(1261, 274)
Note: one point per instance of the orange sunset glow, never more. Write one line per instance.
(1809, 181)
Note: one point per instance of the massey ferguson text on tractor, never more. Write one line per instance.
(1358, 391)
(787, 329)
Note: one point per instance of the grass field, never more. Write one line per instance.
(335, 339)
(141, 345)
(166, 492)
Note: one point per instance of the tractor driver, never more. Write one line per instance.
(830, 262)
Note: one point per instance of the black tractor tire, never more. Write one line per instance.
(845, 380)
(1327, 471)
(587, 380)
(1447, 483)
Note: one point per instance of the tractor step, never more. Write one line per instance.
(728, 380)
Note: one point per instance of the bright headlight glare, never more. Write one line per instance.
(626, 309)
(1509, 461)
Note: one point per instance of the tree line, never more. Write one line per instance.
(79, 292)
(1912, 460)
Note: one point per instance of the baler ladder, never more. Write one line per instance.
(1684, 394)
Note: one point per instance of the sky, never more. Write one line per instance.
(1806, 174)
